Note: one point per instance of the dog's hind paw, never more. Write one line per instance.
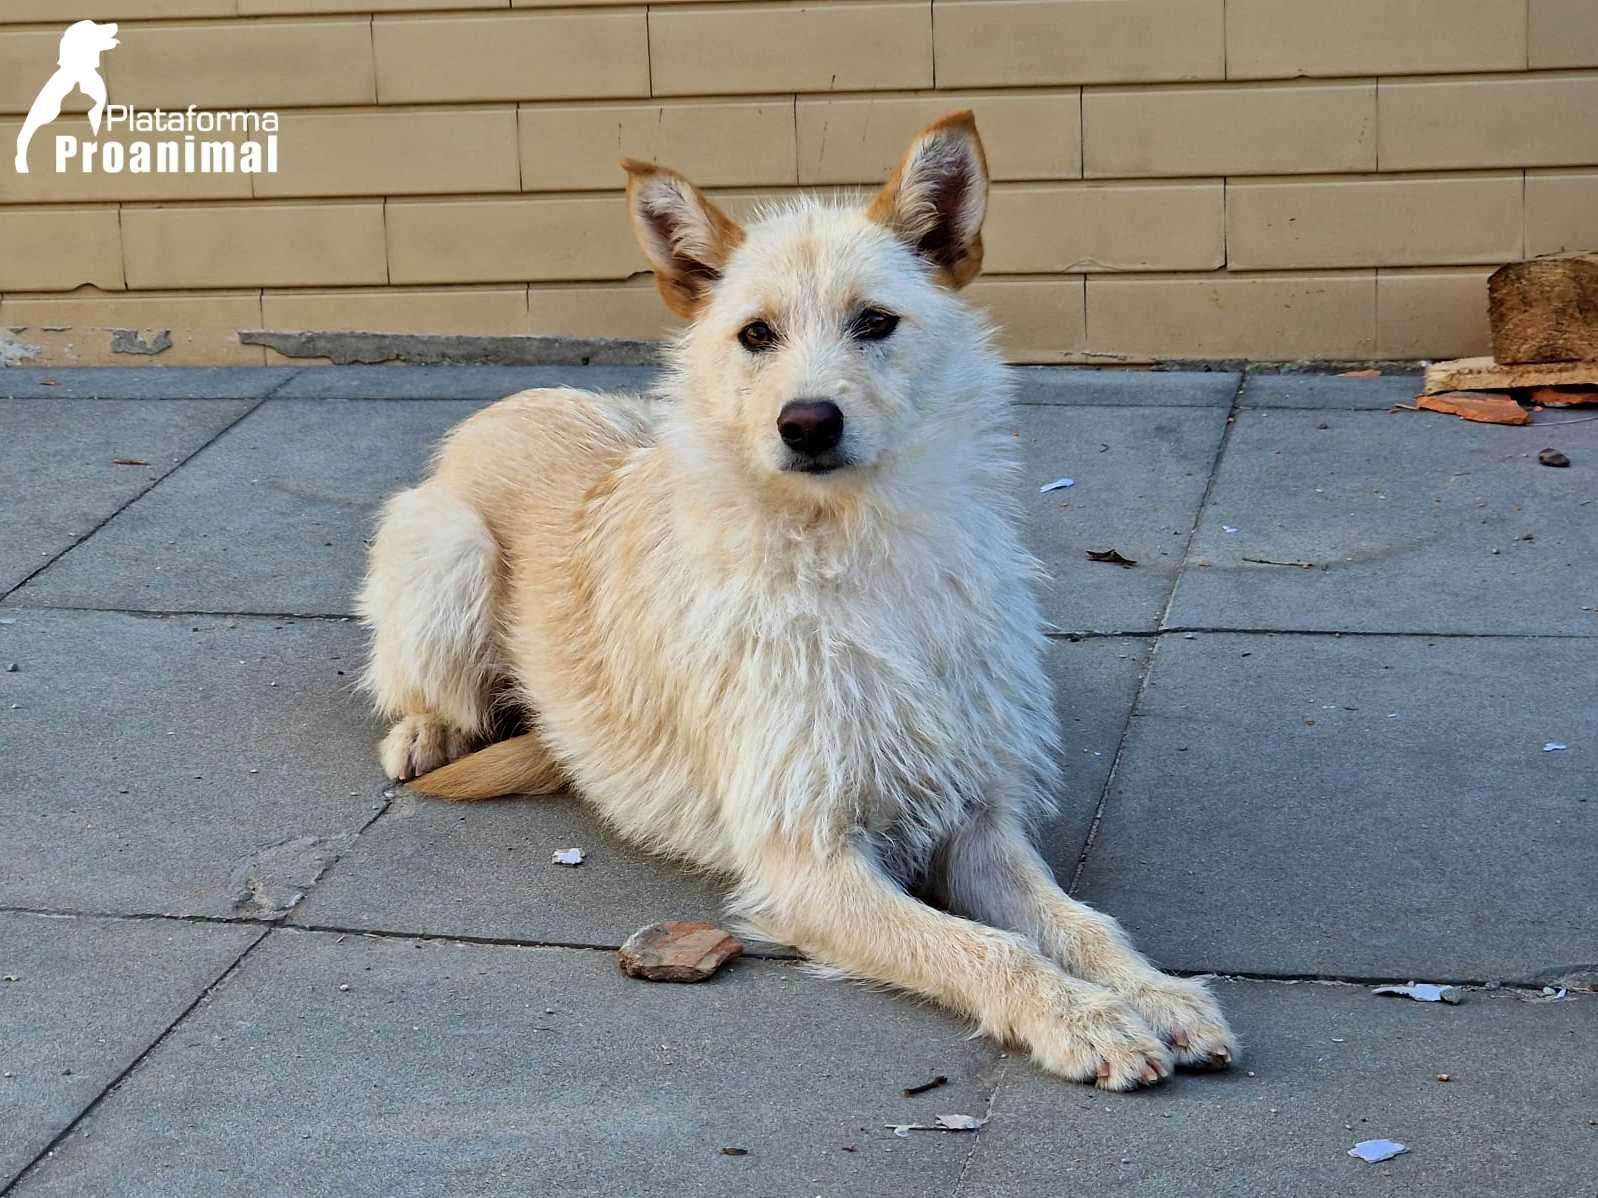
(418, 744)
(1186, 1016)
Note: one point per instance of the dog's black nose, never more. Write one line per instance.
(810, 425)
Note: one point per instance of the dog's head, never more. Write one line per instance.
(824, 339)
(84, 42)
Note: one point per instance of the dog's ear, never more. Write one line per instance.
(686, 238)
(937, 196)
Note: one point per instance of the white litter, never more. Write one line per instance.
(1375, 1151)
(567, 857)
(1554, 746)
(941, 1123)
(1424, 992)
(1227, 528)
(1058, 484)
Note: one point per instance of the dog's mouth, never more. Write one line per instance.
(827, 463)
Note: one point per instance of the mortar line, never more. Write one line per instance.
(61, 1136)
(1154, 649)
(217, 436)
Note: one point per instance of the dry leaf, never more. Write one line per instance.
(1111, 556)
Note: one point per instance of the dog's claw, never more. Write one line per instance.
(1179, 1038)
(1103, 1070)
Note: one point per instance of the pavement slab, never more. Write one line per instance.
(144, 382)
(1364, 807)
(1331, 392)
(472, 1069)
(272, 518)
(1323, 1067)
(483, 869)
(1139, 476)
(1076, 386)
(59, 461)
(178, 765)
(1412, 522)
(81, 1000)
(458, 382)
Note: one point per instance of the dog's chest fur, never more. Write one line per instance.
(878, 680)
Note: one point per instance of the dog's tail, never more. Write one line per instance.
(520, 765)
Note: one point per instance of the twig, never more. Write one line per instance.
(912, 1091)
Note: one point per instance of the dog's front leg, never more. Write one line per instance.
(990, 871)
(843, 910)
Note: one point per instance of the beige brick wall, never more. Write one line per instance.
(1173, 178)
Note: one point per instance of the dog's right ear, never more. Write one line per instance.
(686, 238)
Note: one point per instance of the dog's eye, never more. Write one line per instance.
(757, 337)
(874, 325)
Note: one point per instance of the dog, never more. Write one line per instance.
(78, 66)
(777, 621)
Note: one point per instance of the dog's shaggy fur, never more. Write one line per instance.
(813, 664)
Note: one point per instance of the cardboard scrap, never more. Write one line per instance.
(1484, 374)
(1476, 405)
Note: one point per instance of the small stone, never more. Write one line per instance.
(12, 668)
(1445, 1077)
(1552, 457)
(677, 951)
(735, 1152)
(343, 985)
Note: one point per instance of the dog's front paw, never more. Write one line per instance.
(1186, 1016)
(418, 744)
(1102, 1041)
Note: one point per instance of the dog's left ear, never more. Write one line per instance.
(686, 238)
(937, 196)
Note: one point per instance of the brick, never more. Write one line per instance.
(1039, 320)
(983, 43)
(859, 139)
(716, 143)
(1267, 39)
(1431, 313)
(59, 248)
(1526, 120)
(1562, 33)
(1034, 229)
(254, 245)
(481, 311)
(1267, 317)
(204, 328)
(1561, 212)
(490, 241)
(55, 13)
(597, 53)
(27, 59)
(1243, 129)
(262, 64)
(395, 152)
(631, 311)
(42, 185)
(790, 47)
(1373, 220)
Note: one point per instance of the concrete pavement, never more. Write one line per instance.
(237, 962)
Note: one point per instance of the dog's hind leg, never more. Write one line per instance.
(431, 583)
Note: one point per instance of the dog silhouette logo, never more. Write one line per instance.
(78, 67)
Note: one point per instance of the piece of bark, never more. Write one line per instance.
(1476, 405)
(1564, 397)
(1483, 374)
(1545, 310)
(678, 950)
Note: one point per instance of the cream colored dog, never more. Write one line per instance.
(778, 622)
